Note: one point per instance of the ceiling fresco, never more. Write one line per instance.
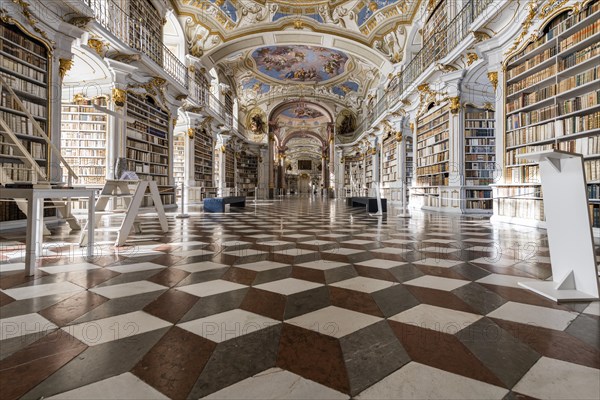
(256, 86)
(300, 111)
(345, 88)
(366, 9)
(300, 63)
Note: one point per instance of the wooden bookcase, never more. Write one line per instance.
(84, 140)
(552, 101)
(229, 167)
(24, 65)
(179, 159)
(480, 168)
(390, 160)
(247, 173)
(147, 144)
(433, 148)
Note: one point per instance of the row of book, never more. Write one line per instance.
(480, 165)
(138, 167)
(524, 174)
(36, 149)
(594, 215)
(85, 170)
(441, 138)
(580, 35)
(432, 159)
(87, 143)
(20, 124)
(531, 80)
(481, 142)
(479, 204)
(436, 180)
(97, 154)
(436, 135)
(532, 62)
(479, 181)
(433, 119)
(24, 86)
(582, 123)
(16, 37)
(522, 119)
(96, 117)
(22, 69)
(87, 126)
(581, 79)
(511, 155)
(480, 157)
(479, 133)
(592, 170)
(480, 149)
(580, 56)
(479, 124)
(36, 60)
(37, 110)
(527, 99)
(482, 114)
(580, 102)
(521, 208)
(145, 156)
(427, 169)
(17, 172)
(593, 191)
(155, 140)
(534, 133)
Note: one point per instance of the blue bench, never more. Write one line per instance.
(217, 204)
(369, 202)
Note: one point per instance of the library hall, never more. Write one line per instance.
(300, 199)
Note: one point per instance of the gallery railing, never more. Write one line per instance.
(134, 33)
(454, 33)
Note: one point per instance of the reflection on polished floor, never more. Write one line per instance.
(300, 298)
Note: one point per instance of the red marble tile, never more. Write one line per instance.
(240, 275)
(91, 278)
(356, 301)
(439, 271)
(173, 365)
(553, 344)
(440, 298)
(443, 351)
(171, 305)
(72, 308)
(313, 356)
(375, 273)
(18, 278)
(5, 299)
(36, 362)
(169, 277)
(265, 303)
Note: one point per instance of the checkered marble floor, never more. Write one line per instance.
(300, 298)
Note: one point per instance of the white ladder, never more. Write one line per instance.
(114, 189)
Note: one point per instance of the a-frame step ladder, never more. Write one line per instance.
(38, 178)
(132, 198)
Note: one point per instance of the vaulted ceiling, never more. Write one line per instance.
(299, 52)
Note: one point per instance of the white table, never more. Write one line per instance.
(35, 217)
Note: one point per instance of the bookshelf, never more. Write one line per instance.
(390, 160)
(247, 173)
(552, 101)
(368, 184)
(24, 65)
(147, 144)
(433, 148)
(480, 158)
(354, 175)
(229, 167)
(83, 140)
(179, 162)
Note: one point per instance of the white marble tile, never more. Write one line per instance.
(125, 386)
(534, 315)
(437, 282)
(398, 241)
(363, 284)
(322, 265)
(228, 325)
(191, 253)
(442, 241)
(295, 252)
(245, 253)
(125, 268)
(593, 308)
(57, 269)
(438, 262)
(441, 249)
(199, 266)
(211, 288)
(261, 266)
(288, 286)
(48, 289)
(334, 321)
(555, 379)
(12, 267)
(25, 324)
(435, 318)
(358, 242)
(115, 328)
(380, 263)
(504, 280)
(127, 289)
(495, 259)
(417, 382)
(276, 383)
